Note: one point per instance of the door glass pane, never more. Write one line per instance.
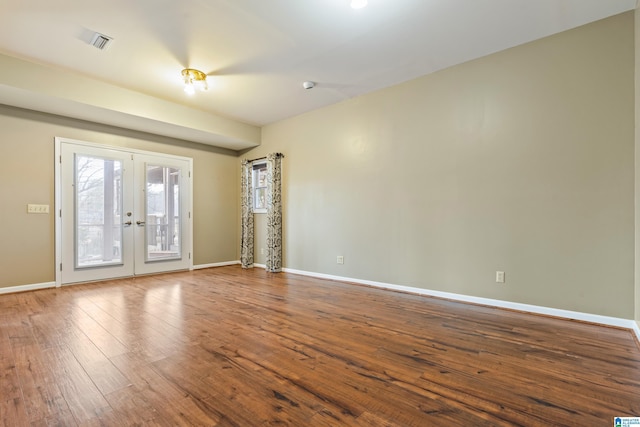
(163, 234)
(98, 211)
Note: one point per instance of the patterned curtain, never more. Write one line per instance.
(246, 244)
(274, 212)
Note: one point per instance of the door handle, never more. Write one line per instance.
(127, 223)
(140, 222)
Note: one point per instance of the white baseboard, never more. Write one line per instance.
(254, 265)
(567, 314)
(574, 315)
(215, 264)
(23, 288)
(636, 328)
(222, 264)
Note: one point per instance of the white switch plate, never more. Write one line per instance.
(499, 276)
(38, 209)
(340, 259)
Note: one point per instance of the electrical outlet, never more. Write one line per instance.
(340, 259)
(37, 209)
(499, 276)
(261, 251)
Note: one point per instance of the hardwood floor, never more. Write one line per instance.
(233, 347)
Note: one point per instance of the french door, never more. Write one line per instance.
(122, 212)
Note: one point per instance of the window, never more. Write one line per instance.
(260, 187)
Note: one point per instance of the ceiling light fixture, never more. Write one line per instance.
(358, 4)
(194, 79)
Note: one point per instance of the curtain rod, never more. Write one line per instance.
(262, 158)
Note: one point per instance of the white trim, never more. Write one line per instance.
(191, 174)
(215, 264)
(254, 265)
(58, 141)
(57, 205)
(574, 315)
(636, 329)
(253, 186)
(119, 148)
(586, 317)
(24, 288)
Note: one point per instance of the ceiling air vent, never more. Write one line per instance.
(101, 41)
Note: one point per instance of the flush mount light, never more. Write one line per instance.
(194, 79)
(358, 4)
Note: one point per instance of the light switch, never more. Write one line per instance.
(37, 209)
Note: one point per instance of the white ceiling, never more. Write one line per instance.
(258, 52)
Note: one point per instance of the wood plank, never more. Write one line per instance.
(43, 399)
(12, 408)
(160, 395)
(85, 401)
(234, 347)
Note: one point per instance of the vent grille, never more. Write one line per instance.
(101, 41)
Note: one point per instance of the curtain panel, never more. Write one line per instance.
(274, 212)
(246, 243)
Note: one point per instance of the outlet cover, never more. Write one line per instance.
(499, 276)
(37, 209)
(340, 259)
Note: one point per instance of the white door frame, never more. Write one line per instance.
(58, 195)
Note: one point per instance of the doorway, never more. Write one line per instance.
(120, 212)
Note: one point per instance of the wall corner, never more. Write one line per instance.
(637, 165)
